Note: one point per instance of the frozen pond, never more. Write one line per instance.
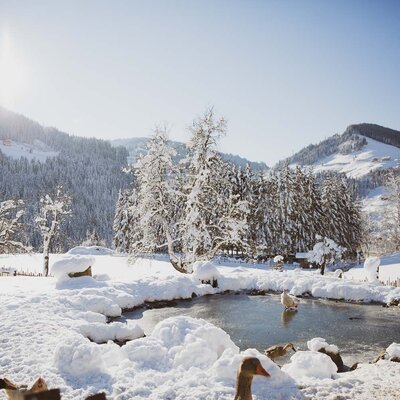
(360, 331)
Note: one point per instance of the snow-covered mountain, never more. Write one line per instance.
(359, 151)
(138, 146)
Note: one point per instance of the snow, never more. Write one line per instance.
(205, 271)
(90, 251)
(60, 269)
(374, 155)
(38, 151)
(278, 259)
(117, 331)
(371, 266)
(310, 365)
(375, 203)
(317, 344)
(46, 324)
(393, 351)
(389, 270)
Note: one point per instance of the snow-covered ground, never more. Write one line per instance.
(38, 151)
(375, 203)
(45, 325)
(389, 270)
(372, 156)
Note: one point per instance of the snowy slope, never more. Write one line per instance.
(38, 150)
(359, 163)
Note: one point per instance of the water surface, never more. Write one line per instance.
(360, 331)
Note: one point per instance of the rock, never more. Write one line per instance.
(336, 358)
(86, 272)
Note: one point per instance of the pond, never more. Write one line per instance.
(360, 331)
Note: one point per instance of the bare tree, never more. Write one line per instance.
(52, 213)
(10, 226)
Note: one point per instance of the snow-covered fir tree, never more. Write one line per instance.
(326, 251)
(212, 219)
(93, 239)
(157, 196)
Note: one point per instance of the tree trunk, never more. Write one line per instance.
(322, 270)
(46, 252)
(177, 264)
(46, 265)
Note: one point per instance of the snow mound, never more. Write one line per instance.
(393, 351)
(148, 352)
(192, 342)
(94, 303)
(318, 343)
(77, 356)
(205, 271)
(60, 269)
(278, 259)
(371, 266)
(116, 331)
(338, 273)
(307, 365)
(90, 251)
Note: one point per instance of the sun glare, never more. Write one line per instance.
(12, 74)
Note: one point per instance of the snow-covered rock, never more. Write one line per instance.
(192, 342)
(393, 351)
(317, 344)
(116, 331)
(60, 269)
(338, 273)
(90, 251)
(205, 271)
(371, 266)
(305, 365)
(278, 258)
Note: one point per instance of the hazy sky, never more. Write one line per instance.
(283, 73)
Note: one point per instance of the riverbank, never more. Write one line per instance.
(44, 322)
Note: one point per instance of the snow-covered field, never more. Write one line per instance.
(359, 163)
(46, 322)
(38, 151)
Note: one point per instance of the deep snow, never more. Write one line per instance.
(45, 325)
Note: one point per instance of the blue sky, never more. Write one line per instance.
(283, 73)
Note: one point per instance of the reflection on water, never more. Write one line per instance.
(287, 316)
(360, 331)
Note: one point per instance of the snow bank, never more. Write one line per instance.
(102, 333)
(371, 266)
(393, 351)
(78, 356)
(317, 344)
(192, 342)
(205, 271)
(90, 251)
(305, 365)
(60, 269)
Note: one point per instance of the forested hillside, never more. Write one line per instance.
(90, 170)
